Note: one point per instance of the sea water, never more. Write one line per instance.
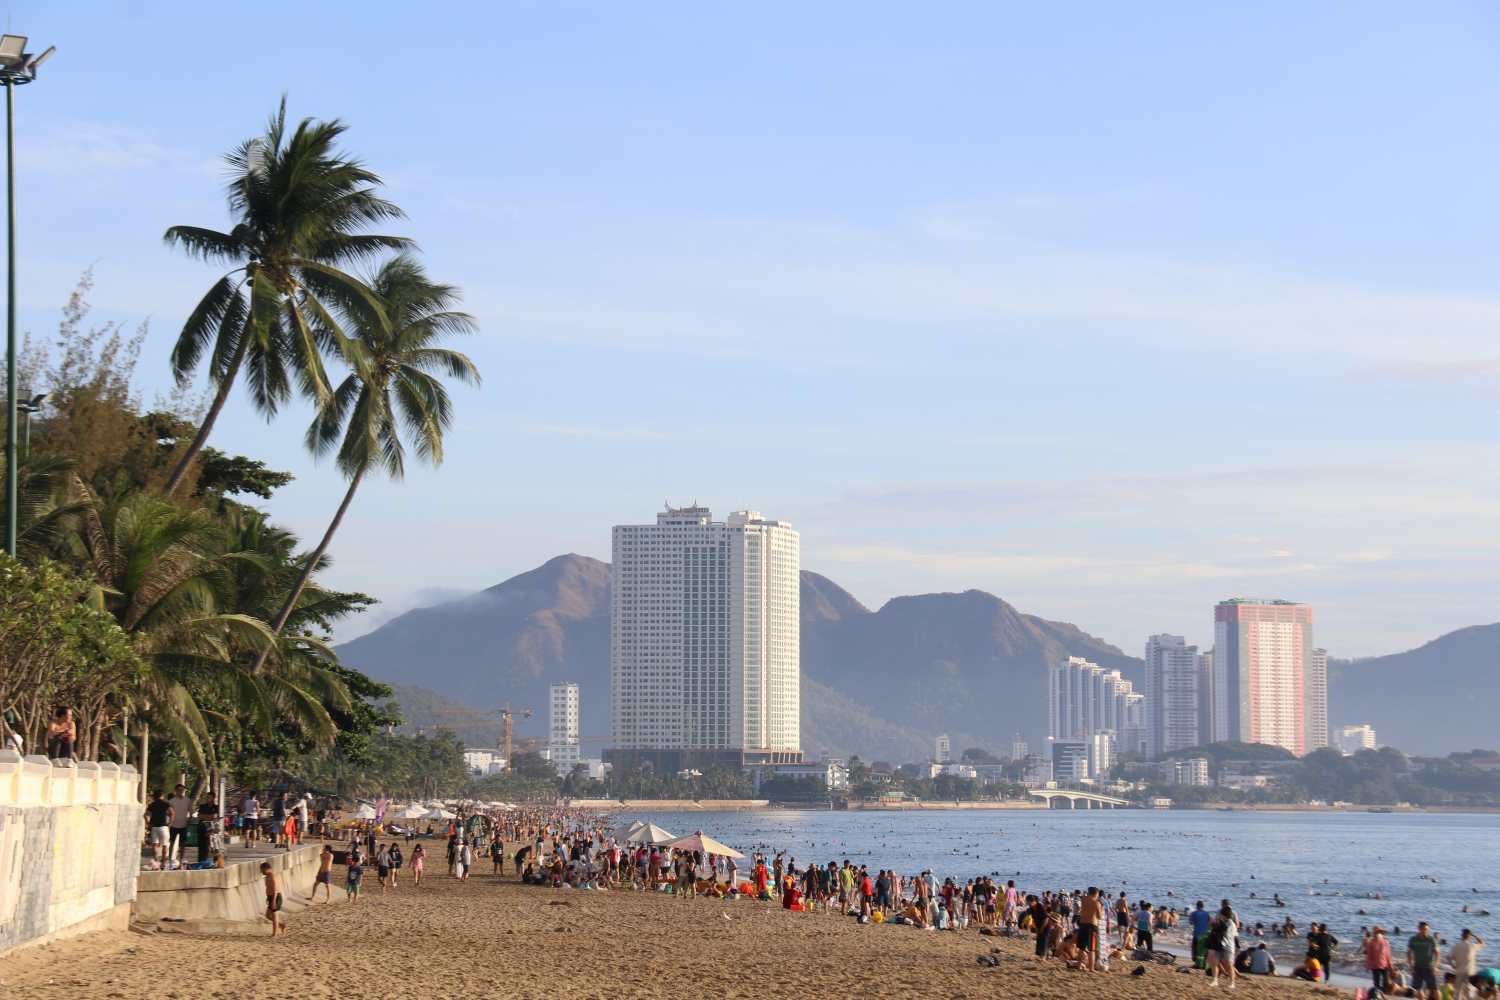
(1328, 867)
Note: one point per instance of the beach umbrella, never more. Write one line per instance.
(365, 812)
(651, 834)
(624, 833)
(412, 812)
(700, 841)
(439, 814)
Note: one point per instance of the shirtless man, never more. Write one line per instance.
(325, 875)
(273, 898)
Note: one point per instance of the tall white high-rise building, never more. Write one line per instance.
(1317, 700)
(1018, 747)
(1264, 678)
(1171, 695)
(1084, 699)
(943, 749)
(705, 659)
(562, 729)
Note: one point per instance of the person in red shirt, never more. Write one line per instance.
(866, 893)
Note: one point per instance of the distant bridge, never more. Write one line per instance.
(1090, 800)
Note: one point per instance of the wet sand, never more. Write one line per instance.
(489, 937)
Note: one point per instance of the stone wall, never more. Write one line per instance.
(70, 847)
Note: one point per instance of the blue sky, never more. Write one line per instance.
(1112, 311)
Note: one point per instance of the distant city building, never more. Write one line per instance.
(1193, 771)
(950, 768)
(1263, 674)
(1171, 706)
(1101, 757)
(705, 663)
(1317, 700)
(833, 773)
(1018, 748)
(1352, 739)
(1084, 699)
(480, 762)
(1070, 761)
(1206, 732)
(943, 751)
(562, 731)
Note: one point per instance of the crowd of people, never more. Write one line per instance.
(1086, 929)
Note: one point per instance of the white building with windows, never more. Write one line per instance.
(562, 729)
(1317, 701)
(942, 750)
(1192, 772)
(1352, 739)
(1172, 695)
(705, 658)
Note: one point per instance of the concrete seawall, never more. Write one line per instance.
(234, 892)
(70, 840)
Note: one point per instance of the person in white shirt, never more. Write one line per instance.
(1465, 958)
(250, 818)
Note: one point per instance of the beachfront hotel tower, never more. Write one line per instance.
(1266, 689)
(705, 658)
(1172, 695)
(562, 728)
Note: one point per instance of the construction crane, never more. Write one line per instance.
(481, 716)
(507, 722)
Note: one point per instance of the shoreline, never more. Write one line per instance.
(752, 805)
(415, 943)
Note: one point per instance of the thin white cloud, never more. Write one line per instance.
(601, 432)
(104, 152)
(844, 293)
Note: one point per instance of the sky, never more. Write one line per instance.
(1114, 311)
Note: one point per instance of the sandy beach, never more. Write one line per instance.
(489, 937)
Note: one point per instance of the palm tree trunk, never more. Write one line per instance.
(145, 759)
(221, 396)
(310, 566)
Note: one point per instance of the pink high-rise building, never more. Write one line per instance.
(1264, 684)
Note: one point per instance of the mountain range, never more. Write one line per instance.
(879, 683)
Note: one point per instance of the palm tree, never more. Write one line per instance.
(162, 572)
(394, 387)
(300, 208)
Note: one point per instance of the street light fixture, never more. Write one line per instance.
(28, 407)
(17, 67)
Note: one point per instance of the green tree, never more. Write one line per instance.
(300, 209)
(394, 387)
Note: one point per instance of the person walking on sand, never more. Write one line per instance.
(324, 876)
(418, 859)
(396, 862)
(1090, 916)
(1465, 958)
(1377, 950)
(1422, 955)
(1223, 940)
(273, 898)
(354, 874)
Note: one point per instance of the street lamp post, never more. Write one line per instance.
(17, 66)
(28, 407)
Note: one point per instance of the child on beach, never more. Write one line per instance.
(273, 898)
(354, 874)
(325, 875)
(418, 859)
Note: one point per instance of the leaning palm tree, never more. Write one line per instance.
(394, 387)
(300, 208)
(162, 571)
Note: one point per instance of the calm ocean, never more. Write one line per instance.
(1325, 866)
